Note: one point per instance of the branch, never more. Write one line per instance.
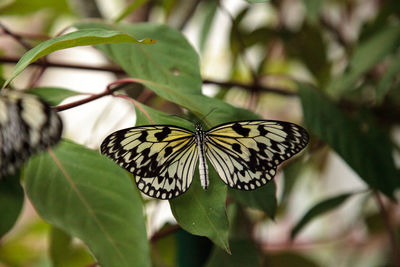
(109, 91)
(110, 68)
(16, 37)
(251, 87)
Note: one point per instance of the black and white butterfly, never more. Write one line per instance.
(163, 158)
(27, 125)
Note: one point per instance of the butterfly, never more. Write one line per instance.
(27, 125)
(163, 158)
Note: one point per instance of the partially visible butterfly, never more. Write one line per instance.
(163, 158)
(27, 125)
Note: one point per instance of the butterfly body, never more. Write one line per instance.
(203, 167)
(163, 158)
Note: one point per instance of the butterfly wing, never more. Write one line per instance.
(27, 125)
(247, 153)
(161, 157)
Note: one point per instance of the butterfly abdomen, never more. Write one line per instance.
(203, 167)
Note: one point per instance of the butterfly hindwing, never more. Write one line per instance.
(247, 153)
(161, 157)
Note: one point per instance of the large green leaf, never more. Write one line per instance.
(88, 196)
(366, 55)
(84, 37)
(319, 209)
(170, 68)
(11, 201)
(362, 144)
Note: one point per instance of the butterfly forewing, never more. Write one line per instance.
(27, 125)
(162, 158)
(246, 154)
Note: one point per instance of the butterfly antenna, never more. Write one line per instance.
(205, 116)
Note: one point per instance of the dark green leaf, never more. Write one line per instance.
(53, 96)
(209, 14)
(263, 198)
(89, 197)
(319, 209)
(390, 75)
(313, 8)
(63, 253)
(11, 201)
(170, 68)
(365, 148)
(366, 55)
(78, 38)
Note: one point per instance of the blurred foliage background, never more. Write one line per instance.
(329, 65)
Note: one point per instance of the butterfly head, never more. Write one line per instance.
(198, 126)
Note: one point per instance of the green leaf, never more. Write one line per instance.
(78, 38)
(88, 196)
(24, 7)
(11, 201)
(52, 96)
(313, 8)
(363, 145)
(366, 55)
(319, 209)
(198, 211)
(263, 198)
(130, 8)
(170, 68)
(63, 253)
(209, 15)
(390, 75)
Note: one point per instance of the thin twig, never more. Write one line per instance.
(117, 70)
(16, 37)
(390, 231)
(108, 91)
(252, 87)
